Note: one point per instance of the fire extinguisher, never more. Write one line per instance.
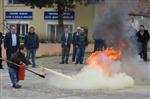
(22, 68)
(21, 73)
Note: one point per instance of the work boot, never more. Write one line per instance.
(1, 67)
(76, 62)
(61, 62)
(17, 86)
(73, 60)
(34, 66)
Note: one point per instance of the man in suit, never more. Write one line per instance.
(74, 42)
(81, 44)
(143, 38)
(1, 40)
(66, 40)
(11, 44)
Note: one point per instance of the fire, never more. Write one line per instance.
(94, 61)
(102, 72)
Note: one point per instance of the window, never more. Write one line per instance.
(14, 2)
(95, 1)
(22, 29)
(53, 35)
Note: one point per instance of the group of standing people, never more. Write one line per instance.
(16, 52)
(79, 40)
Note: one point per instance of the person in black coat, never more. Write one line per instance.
(11, 42)
(19, 58)
(74, 42)
(99, 44)
(143, 38)
(31, 44)
(1, 40)
(66, 40)
(81, 44)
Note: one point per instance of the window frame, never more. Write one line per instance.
(6, 2)
(16, 22)
(56, 23)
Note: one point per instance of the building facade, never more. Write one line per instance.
(44, 20)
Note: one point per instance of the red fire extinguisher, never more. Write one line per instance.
(21, 73)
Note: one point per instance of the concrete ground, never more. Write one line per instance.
(39, 88)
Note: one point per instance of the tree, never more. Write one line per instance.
(60, 5)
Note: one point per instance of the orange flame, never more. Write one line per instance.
(94, 61)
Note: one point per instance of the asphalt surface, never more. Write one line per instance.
(34, 87)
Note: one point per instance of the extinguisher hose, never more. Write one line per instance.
(40, 75)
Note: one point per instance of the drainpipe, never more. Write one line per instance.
(3, 17)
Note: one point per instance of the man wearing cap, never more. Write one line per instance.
(74, 42)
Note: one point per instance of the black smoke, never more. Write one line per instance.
(111, 25)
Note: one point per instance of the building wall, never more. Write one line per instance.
(84, 16)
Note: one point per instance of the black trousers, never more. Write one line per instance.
(1, 66)
(80, 55)
(143, 52)
(74, 52)
(9, 52)
(99, 45)
(65, 54)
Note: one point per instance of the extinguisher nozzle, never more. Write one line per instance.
(43, 76)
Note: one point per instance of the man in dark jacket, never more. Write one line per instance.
(143, 38)
(31, 44)
(1, 40)
(11, 42)
(74, 42)
(99, 44)
(66, 40)
(18, 58)
(81, 44)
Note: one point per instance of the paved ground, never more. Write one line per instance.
(38, 88)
